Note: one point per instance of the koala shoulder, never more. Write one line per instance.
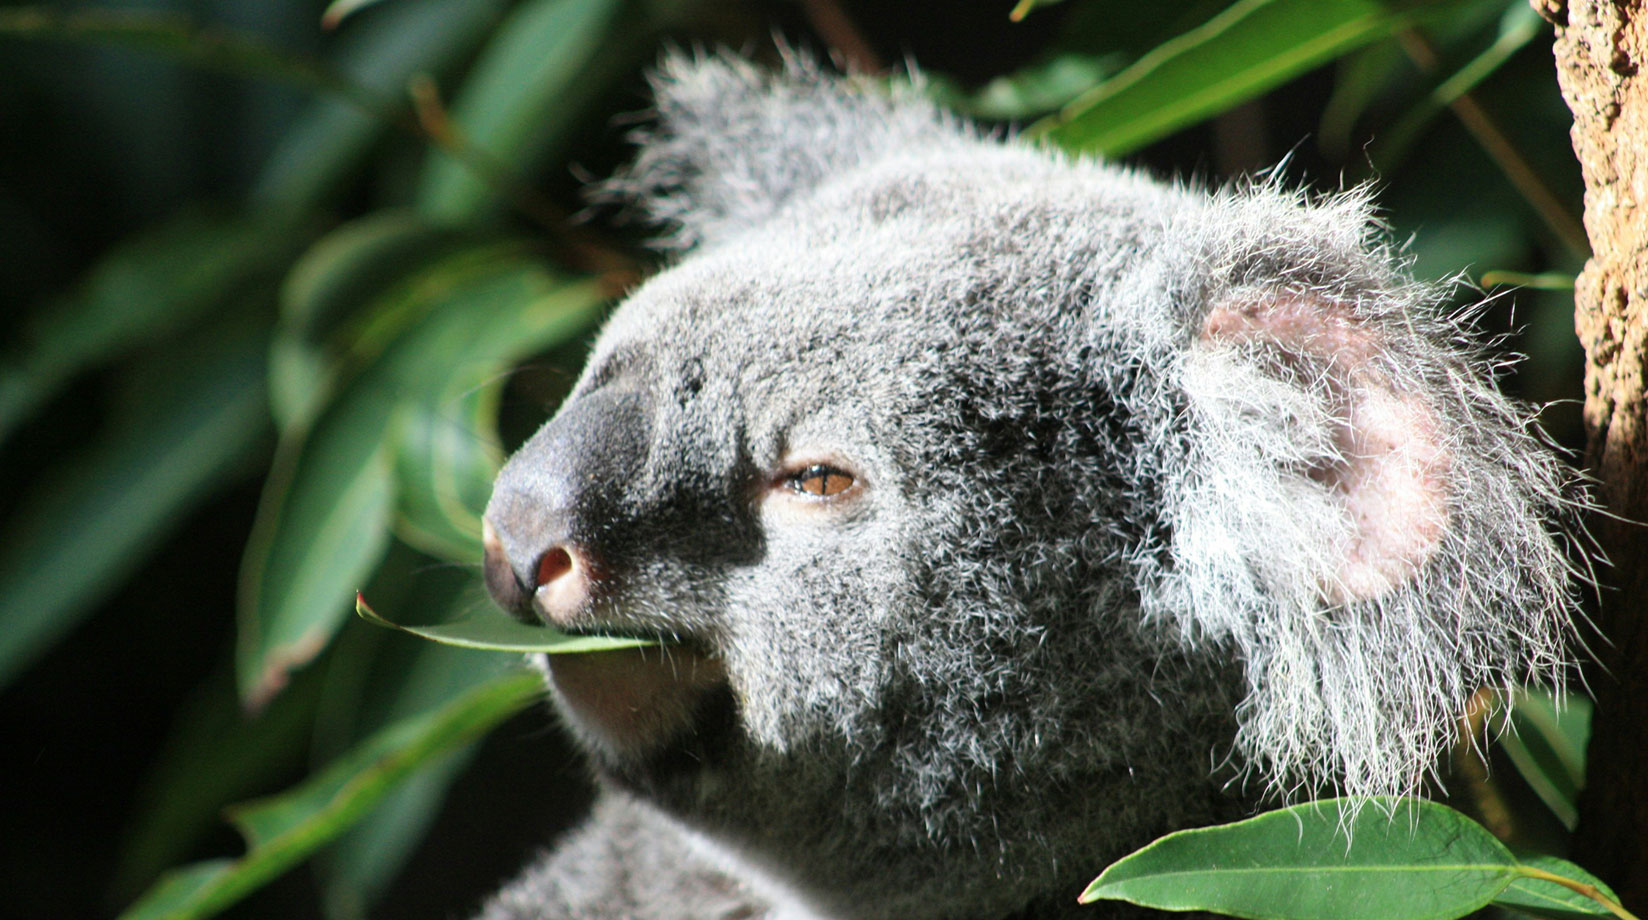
(614, 867)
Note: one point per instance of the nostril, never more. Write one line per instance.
(565, 577)
(553, 565)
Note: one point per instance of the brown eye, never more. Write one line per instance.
(821, 481)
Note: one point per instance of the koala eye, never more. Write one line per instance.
(820, 481)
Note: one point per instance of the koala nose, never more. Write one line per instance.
(565, 487)
(562, 583)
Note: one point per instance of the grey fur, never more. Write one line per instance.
(1161, 487)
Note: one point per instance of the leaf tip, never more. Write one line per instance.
(334, 14)
(278, 664)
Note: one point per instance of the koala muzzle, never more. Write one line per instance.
(546, 559)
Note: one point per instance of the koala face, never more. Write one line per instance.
(799, 457)
(987, 503)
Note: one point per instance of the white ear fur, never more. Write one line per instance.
(1295, 378)
(1322, 510)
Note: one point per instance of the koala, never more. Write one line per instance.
(995, 511)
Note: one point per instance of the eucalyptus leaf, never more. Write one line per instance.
(329, 286)
(339, 10)
(354, 264)
(1026, 7)
(1031, 92)
(1543, 898)
(445, 463)
(327, 505)
(149, 286)
(1247, 49)
(215, 754)
(321, 528)
(176, 37)
(447, 448)
(497, 633)
(1361, 77)
(377, 678)
(1518, 26)
(357, 868)
(78, 533)
(282, 830)
(329, 502)
(1337, 859)
(179, 893)
(1546, 743)
(332, 138)
(544, 62)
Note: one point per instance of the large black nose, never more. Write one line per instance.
(557, 503)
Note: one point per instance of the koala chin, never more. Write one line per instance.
(994, 512)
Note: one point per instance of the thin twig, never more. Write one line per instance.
(580, 250)
(1470, 764)
(1584, 888)
(838, 30)
(1499, 148)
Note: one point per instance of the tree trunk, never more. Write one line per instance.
(1601, 52)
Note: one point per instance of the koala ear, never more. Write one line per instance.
(1293, 383)
(1359, 518)
(734, 142)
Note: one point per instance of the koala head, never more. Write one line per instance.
(996, 509)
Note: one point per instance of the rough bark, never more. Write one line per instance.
(1601, 55)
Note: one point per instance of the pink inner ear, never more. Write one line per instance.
(1391, 470)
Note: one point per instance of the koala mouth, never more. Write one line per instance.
(635, 706)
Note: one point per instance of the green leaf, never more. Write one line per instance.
(332, 138)
(356, 869)
(339, 10)
(328, 504)
(1382, 76)
(281, 831)
(543, 65)
(179, 892)
(329, 286)
(214, 754)
(445, 463)
(1543, 898)
(147, 287)
(1026, 7)
(353, 265)
(78, 534)
(1242, 52)
(1344, 859)
(375, 678)
(495, 632)
(1546, 744)
(173, 36)
(448, 453)
(1360, 79)
(1030, 92)
(322, 526)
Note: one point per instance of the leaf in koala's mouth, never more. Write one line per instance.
(497, 633)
